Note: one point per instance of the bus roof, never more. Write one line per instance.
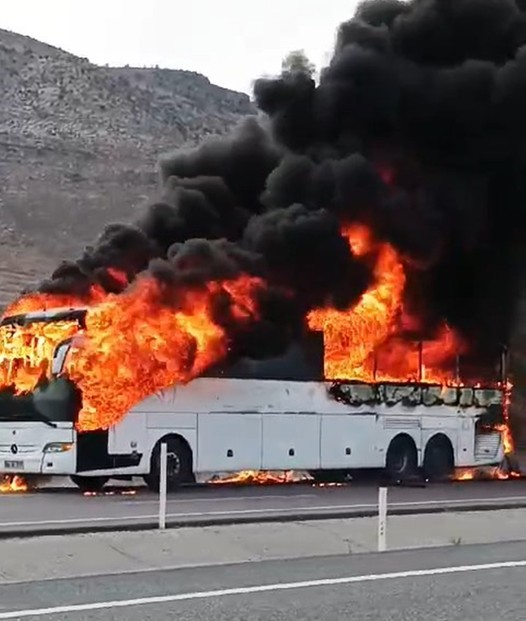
(50, 316)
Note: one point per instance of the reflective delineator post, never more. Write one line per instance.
(162, 485)
(382, 519)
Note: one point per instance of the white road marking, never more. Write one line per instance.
(212, 500)
(270, 510)
(263, 588)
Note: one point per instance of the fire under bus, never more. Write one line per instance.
(270, 415)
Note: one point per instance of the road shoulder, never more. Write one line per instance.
(107, 553)
(183, 584)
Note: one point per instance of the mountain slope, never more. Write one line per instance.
(79, 144)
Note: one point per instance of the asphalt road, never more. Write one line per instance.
(70, 511)
(481, 583)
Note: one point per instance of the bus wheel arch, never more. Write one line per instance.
(401, 461)
(439, 458)
(180, 463)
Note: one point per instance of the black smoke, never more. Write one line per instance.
(416, 127)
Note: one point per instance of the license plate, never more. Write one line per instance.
(14, 465)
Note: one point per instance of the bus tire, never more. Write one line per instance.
(439, 459)
(89, 484)
(401, 461)
(179, 465)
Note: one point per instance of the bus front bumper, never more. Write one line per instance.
(30, 447)
(58, 459)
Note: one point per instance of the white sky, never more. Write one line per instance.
(230, 41)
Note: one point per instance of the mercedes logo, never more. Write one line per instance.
(14, 449)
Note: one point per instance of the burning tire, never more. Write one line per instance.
(179, 464)
(89, 484)
(439, 460)
(402, 460)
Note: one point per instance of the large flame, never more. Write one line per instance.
(361, 343)
(135, 345)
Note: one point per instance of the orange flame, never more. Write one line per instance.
(135, 346)
(45, 301)
(485, 473)
(258, 477)
(25, 353)
(505, 428)
(361, 342)
(350, 336)
(465, 474)
(11, 484)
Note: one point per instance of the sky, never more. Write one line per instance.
(232, 42)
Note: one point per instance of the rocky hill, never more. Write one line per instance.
(79, 144)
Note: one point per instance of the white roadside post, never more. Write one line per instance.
(382, 519)
(163, 485)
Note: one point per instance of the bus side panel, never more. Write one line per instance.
(291, 441)
(128, 435)
(228, 442)
(169, 420)
(350, 441)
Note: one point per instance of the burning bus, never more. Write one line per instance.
(379, 204)
(274, 414)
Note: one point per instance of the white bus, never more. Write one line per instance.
(269, 415)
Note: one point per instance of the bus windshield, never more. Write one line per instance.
(51, 402)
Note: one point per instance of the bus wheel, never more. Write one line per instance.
(401, 461)
(439, 460)
(89, 484)
(179, 467)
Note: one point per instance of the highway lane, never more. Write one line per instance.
(483, 582)
(69, 511)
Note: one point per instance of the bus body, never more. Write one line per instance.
(229, 424)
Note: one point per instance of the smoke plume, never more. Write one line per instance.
(416, 128)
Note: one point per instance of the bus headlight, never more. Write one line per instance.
(58, 447)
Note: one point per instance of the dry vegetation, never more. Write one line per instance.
(79, 144)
